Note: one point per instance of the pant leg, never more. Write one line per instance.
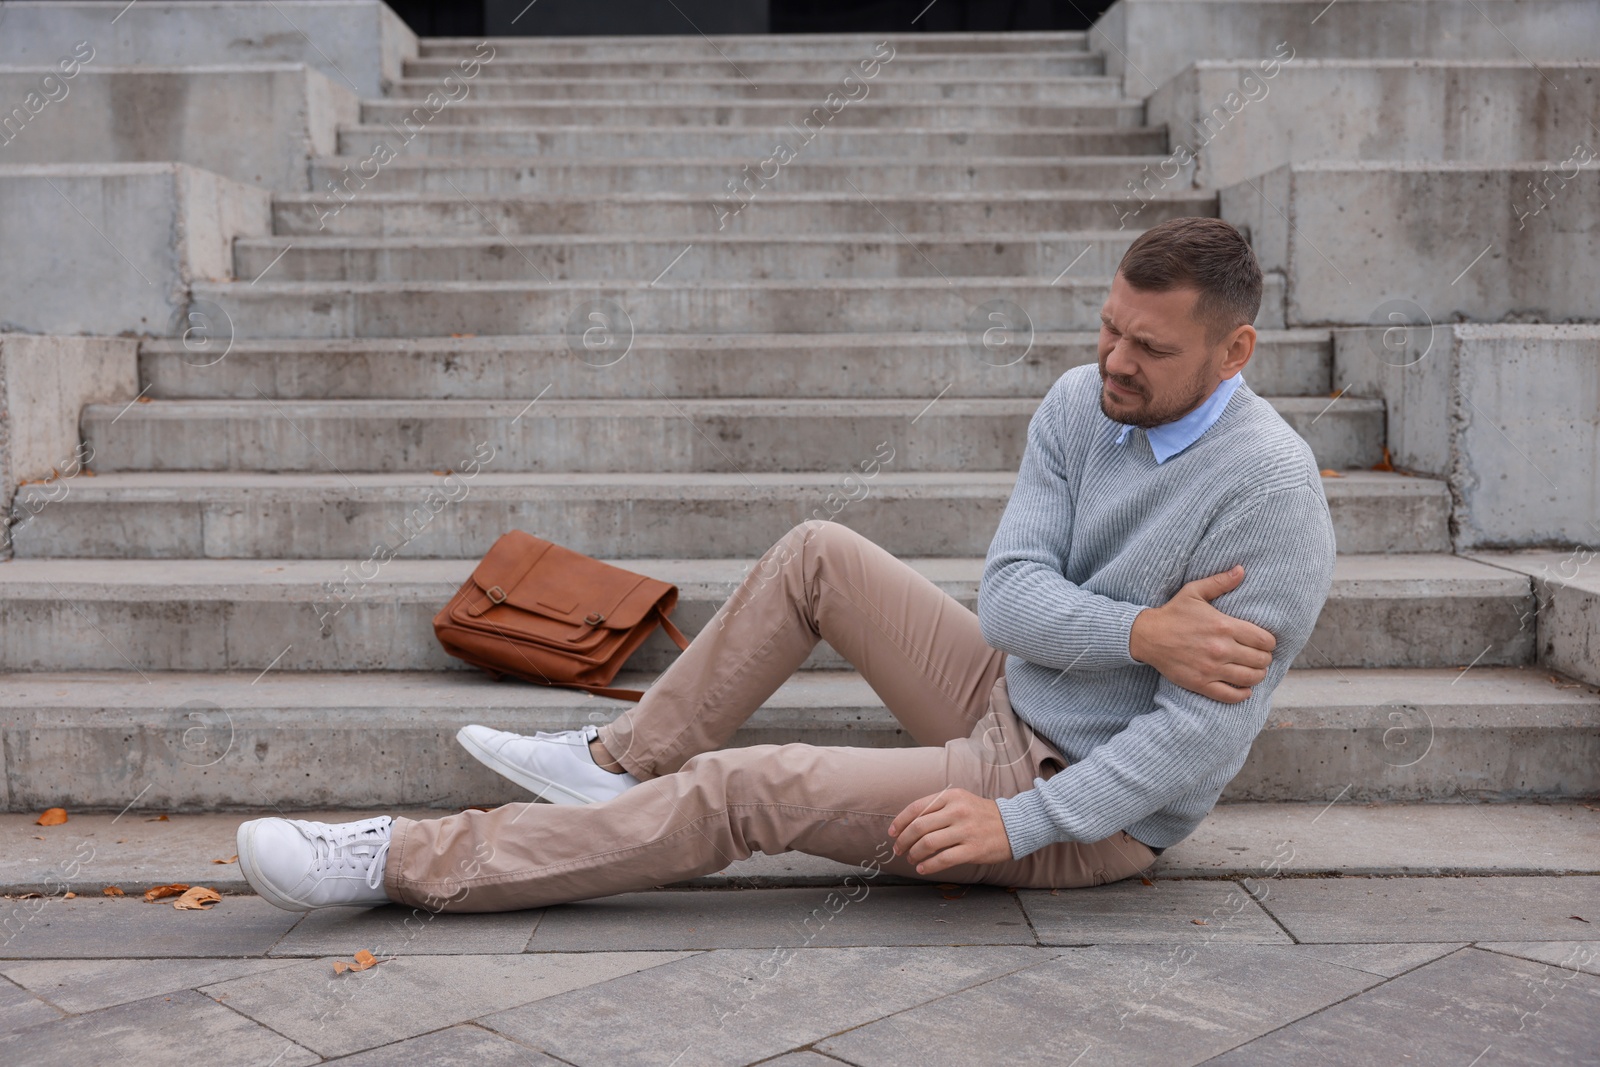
(724, 805)
(919, 649)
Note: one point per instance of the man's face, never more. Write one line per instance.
(1156, 362)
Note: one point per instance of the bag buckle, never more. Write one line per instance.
(594, 618)
(495, 594)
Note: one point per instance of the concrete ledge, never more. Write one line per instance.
(359, 43)
(1236, 840)
(1241, 118)
(1146, 42)
(103, 248)
(1508, 415)
(1566, 586)
(1462, 242)
(44, 383)
(256, 124)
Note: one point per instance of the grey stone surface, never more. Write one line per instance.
(20, 1008)
(1385, 960)
(1200, 912)
(791, 918)
(1566, 588)
(736, 1007)
(1346, 910)
(101, 927)
(459, 1046)
(168, 227)
(179, 1027)
(338, 1014)
(80, 986)
(1468, 1005)
(1117, 1007)
(396, 930)
(1568, 955)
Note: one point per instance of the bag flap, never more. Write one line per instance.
(542, 578)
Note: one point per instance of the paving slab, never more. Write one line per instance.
(180, 1027)
(400, 998)
(459, 1046)
(20, 1008)
(396, 930)
(102, 927)
(1569, 955)
(738, 1006)
(818, 918)
(1471, 1007)
(804, 1059)
(80, 986)
(1354, 910)
(1200, 912)
(1385, 960)
(1120, 1004)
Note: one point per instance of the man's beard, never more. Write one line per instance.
(1156, 412)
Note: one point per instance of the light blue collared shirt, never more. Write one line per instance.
(1168, 439)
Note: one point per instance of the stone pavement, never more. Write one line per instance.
(1459, 935)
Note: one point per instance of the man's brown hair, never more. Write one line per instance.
(1204, 254)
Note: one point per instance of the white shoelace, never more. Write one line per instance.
(345, 844)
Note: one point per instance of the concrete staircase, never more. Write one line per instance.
(205, 619)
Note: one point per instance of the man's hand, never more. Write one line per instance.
(950, 828)
(1200, 648)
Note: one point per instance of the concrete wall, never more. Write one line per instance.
(1147, 42)
(1241, 118)
(44, 384)
(113, 248)
(1566, 617)
(564, 17)
(1464, 243)
(256, 124)
(358, 43)
(1508, 415)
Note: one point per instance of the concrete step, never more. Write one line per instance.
(559, 436)
(1090, 254)
(320, 615)
(729, 86)
(828, 68)
(845, 46)
(845, 305)
(203, 742)
(230, 515)
(1545, 837)
(716, 210)
(704, 366)
(755, 145)
(502, 176)
(775, 113)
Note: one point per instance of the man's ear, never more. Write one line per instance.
(1241, 345)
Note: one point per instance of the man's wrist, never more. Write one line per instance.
(1138, 633)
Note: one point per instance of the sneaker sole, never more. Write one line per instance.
(244, 845)
(541, 787)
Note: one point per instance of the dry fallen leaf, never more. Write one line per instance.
(86, 472)
(1580, 918)
(28, 896)
(439, 474)
(1145, 880)
(158, 818)
(951, 891)
(231, 859)
(197, 899)
(144, 400)
(38, 837)
(52, 817)
(74, 896)
(113, 891)
(162, 891)
(364, 961)
(463, 335)
(1329, 472)
(1199, 922)
(1386, 463)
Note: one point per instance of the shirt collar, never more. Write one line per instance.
(1170, 438)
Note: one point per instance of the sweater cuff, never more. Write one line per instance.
(1027, 823)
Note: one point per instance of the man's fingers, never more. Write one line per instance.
(910, 812)
(934, 841)
(1214, 586)
(1240, 676)
(1252, 636)
(1224, 693)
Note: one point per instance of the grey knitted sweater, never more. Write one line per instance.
(1094, 532)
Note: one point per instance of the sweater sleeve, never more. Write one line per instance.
(1026, 607)
(1285, 543)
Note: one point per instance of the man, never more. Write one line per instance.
(1162, 560)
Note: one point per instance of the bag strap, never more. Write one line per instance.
(672, 631)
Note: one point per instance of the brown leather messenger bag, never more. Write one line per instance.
(546, 614)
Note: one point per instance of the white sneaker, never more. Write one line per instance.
(301, 865)
(554, 766)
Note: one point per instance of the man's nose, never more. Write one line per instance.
(1120, 361)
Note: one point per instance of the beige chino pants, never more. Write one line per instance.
(700, 807)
